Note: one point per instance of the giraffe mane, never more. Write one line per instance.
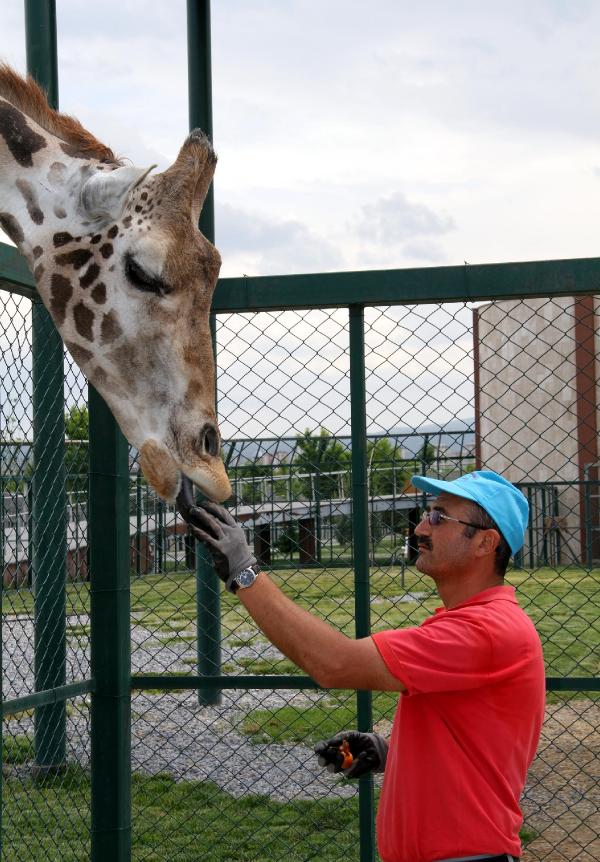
(26, 95)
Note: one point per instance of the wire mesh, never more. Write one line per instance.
(510, 386)
(45, 632)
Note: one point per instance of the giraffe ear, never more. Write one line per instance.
(104, 194)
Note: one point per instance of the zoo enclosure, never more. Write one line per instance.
(107, 678)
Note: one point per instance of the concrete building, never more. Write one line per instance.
(536, 416)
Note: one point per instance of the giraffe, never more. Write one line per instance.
(126, 275)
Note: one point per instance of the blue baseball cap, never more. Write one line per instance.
(501, 500)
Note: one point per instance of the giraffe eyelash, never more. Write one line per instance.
(142, 280)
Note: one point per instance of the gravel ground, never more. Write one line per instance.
(171, 732)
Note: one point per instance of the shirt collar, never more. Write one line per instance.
(504, 592)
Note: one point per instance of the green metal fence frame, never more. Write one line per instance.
(111, 683)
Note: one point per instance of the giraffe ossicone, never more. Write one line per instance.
(127, 276)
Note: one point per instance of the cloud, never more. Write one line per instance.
(264, 245)
(395, 219)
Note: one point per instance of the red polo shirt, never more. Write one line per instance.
(465, 731)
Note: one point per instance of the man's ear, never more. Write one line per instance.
(487, 542)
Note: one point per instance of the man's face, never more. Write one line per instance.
(444, 550)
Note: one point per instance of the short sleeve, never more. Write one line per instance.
(452, 653)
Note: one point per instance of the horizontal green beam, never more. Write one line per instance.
(171, 681)
(408, 286)
(14, 273)
(478, 282)
(45, 698)
(167, 681)
(582, 683)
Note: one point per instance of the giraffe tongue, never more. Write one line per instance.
(186, 500)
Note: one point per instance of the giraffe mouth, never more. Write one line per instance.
(171, 478)
(186, 501)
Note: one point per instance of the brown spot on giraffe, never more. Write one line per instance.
(37, 252)
(100, 376)
(96, 238)
(99, 293)
(127, 221)
(84, 320)
(38, 271)
(196, 387)
(126, 357)
(106, 250)
(79, 354)
(31, 200)
(12, 228)
(61, 291)
(21, 139)
(113, 232)
(76, 258)
(90, 275)
(110, 329)
(59, 212)
(62, 238)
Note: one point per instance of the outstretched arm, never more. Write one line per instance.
(328, 656)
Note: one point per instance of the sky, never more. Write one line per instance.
(351, 137)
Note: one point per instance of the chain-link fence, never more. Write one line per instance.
(224, 770)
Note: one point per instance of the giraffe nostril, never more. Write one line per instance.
(208, 441)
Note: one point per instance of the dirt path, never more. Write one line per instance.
(562, 798)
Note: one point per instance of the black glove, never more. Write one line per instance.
(369, 752)
(224, 538)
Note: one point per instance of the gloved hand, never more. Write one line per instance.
(369, 751)
(224, 538)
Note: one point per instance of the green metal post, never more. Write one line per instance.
(159, 535)
(138, 524)
(558, 532)
(360, 534)
(208, 595)
(530, 533)
(110, 636)
(49, 528)
(587, 510)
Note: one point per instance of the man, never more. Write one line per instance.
(471, 677)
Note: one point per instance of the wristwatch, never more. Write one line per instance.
(244, 580)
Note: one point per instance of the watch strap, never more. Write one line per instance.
(232, 585)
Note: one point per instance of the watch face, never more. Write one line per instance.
(245, 578)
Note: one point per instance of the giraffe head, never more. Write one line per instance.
(126, 275)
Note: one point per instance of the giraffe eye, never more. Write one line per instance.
(142, 280)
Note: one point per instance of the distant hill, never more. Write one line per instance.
(458, 435)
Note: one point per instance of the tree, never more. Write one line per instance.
(77, 423)
(427, 454)
(387, 473)
(288, 540)
(320, 456)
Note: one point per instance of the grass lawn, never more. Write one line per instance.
(564, 604)
(183, 821)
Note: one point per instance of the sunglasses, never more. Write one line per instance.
(435, 517)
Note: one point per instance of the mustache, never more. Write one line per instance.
(426, 543)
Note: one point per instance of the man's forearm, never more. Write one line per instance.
(308, 641)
